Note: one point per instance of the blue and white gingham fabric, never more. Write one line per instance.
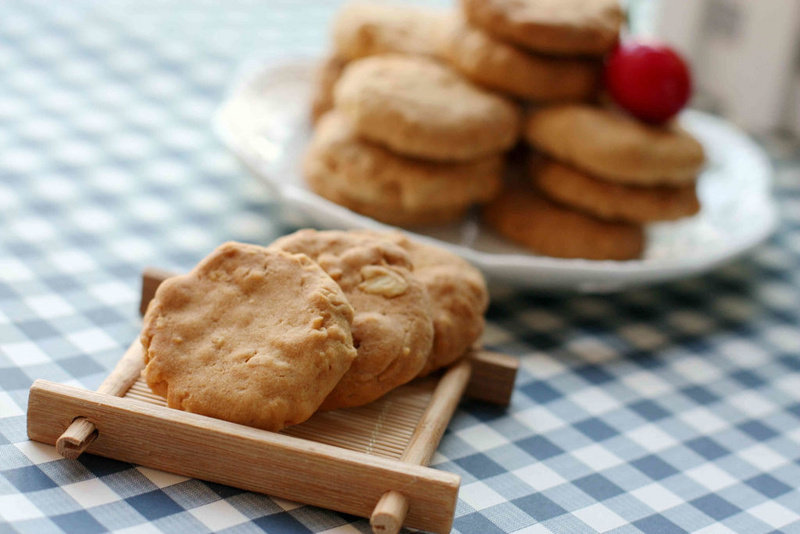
(669, 409)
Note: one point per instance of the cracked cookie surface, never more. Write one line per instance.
(459, 299)
(250, 335)
(392, 326)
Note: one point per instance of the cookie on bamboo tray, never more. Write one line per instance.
(504, 67)
(526, 217)
(610, 200)
(459, 299)
(363, 29)
(250, 335)
(392, 326)
(420, 108)
(376, 182)
(571, 27)
(614, 146)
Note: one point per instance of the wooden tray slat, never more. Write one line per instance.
(382, 428)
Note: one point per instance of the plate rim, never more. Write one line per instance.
(581, 274)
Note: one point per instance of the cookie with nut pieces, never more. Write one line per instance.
(392, 326)
(251, 335)
(459, 298)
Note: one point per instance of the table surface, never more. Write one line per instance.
(665, 409)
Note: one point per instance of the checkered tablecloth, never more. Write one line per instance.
(667, 409)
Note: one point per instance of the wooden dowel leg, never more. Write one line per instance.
(79, 435)
(389, 514)
(82, 432)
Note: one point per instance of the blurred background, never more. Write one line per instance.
(743, 54)
(118, 97)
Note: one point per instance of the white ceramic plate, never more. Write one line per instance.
(264, 121)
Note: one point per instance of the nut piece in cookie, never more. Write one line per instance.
(613, 201)
(251, 335)
(420, 108)
(526, 217)
(392, 326)
(376, 182)
(363, 29)
(569, 27)
(614, 146)
(504, 67)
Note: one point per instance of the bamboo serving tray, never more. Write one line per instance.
(369, 461)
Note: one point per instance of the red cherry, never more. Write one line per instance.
(649, 80)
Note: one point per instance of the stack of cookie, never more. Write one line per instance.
(602, 176)
(410, 142)
(537, 50)
(265, 336)
(417, 136)
(598, 176)
(400, 136)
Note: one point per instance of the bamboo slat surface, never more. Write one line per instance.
(381, 428)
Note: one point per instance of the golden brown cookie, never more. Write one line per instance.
(506, 68)
(526, 217)
(571, 27)
(420, 108)
(324, 79)
(614, 146)
(458, 295)
(250, 335)
(613, 201)
(386, 213)
(392, 326)
(374, 181)
(363, 29)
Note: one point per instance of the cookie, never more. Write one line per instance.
(250, 335)
(386, 213)
(529, 219)
(459, 299)
(324, 79)
(367, 29)
(614, 146)
(374, 181)
(392, 326)
(420, 108)
(570, 27)
(613, 201)
(504, 67)
(363, 29)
